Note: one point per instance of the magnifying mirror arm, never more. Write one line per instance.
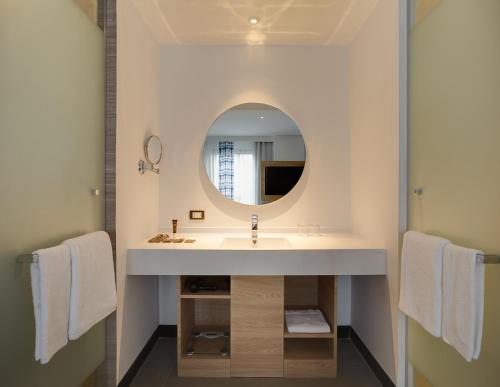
(145, 166)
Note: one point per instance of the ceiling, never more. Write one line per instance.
(257, 120)
(281, 22)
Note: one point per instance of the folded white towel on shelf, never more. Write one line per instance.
(50, 283)
(306, 321)
(93, 290)
(463, 300)
(421, 279)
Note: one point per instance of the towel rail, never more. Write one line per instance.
(481, 258)
(27, 258)
(488, 259)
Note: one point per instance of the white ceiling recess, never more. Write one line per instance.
(280, 22)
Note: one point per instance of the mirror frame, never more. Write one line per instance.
(148, 165)
(146, 153)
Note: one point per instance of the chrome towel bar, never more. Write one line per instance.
(481, 258)
(27, 258)
(488, 259)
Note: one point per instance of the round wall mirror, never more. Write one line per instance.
(254, 154)
(153, 150)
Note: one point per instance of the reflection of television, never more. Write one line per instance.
(277, 178)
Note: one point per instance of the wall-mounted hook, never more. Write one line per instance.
(418, 191)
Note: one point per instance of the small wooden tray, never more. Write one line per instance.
(165, 238)
(158, 238)
(173, 240)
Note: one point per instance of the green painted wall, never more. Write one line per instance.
(51, 154)
(455, 157)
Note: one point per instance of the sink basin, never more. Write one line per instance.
(262, 243)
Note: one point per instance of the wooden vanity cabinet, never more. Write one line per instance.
(253, 312)
(257, 319)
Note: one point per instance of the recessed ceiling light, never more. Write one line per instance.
(261, 117)
(253, 20)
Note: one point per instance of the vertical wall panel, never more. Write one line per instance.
(51, 155)
(455, 158)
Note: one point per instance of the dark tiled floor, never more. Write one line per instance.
(159, 370)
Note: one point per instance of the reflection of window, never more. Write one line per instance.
(211, 158)
(234, 167)
(244, 172)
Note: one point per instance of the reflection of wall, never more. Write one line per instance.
(89, 7)
(308, 83)
(289, 148)
(454, 156)
(423, 8)
(137, 195)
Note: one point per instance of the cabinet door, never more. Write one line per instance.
(257, 309)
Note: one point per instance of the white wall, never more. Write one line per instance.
(374, 120)
(168, 301)
(198, 83)
(136, 195)
(310, 84)
(344, 299)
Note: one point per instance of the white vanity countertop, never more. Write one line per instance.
(275, 254)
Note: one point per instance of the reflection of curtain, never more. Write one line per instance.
(263, 151)
(244, 172)
(226, 168)
(211, 159)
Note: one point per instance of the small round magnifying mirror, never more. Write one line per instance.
(153, 150)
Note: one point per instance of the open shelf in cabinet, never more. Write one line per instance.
(200, 312)
(312, 292)
(311, 354)
(293, 335)
(309, 349)
(221, 282)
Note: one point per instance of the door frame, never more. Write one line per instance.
(404, 18)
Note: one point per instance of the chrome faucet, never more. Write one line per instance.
(255, 228)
